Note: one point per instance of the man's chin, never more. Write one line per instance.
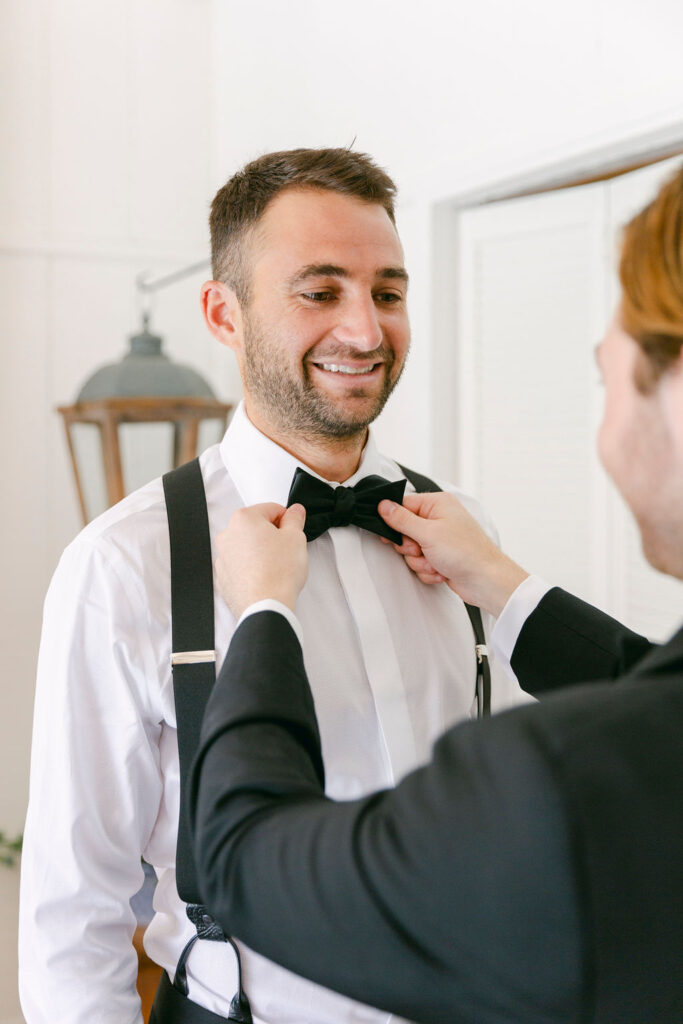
(348, 418)
(662, 549)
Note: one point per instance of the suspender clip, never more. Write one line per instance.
(193, 657)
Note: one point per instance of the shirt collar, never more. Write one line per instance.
(263, 471)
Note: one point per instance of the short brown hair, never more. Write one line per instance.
(242, 201)
(651, 273)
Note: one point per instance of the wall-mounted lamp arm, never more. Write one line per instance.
(146, 288)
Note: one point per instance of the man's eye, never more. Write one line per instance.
(318, 296)
(388, 297)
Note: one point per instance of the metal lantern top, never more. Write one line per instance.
(144, 371)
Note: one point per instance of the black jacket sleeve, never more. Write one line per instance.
(449, 899)
(566, 641)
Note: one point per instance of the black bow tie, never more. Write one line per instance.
(345, 506)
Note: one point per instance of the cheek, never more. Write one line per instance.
(406, 344)
(304, 332)
(399, 338)
(609, 434)
(602, 443)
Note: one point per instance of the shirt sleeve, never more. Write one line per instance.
(508, 626)
(269, 604)
(94, 797)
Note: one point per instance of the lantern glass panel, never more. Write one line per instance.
(86, 440)
(146, 452)
(210, 432)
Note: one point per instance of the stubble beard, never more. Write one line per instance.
(293, 404)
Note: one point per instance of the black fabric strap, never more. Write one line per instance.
(192, 630)
(423, 485)
(192, 633)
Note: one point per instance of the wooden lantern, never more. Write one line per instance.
(145, 386)
(184, 413)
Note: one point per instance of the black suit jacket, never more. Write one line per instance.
(532, 872)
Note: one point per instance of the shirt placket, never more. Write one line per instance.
(378, 652)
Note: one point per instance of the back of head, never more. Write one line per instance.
(239, 205)
(651, 273)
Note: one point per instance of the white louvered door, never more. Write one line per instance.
(536, 286)
(532, 305)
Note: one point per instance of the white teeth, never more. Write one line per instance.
(334, 368)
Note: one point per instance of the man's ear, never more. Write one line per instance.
(223, 314)
(671, 377)
(670, 397)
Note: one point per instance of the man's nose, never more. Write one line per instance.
(359, 325)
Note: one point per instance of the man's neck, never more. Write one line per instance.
(334, 459)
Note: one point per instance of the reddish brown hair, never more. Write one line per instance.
(651, 273)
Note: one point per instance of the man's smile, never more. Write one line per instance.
(347, 368)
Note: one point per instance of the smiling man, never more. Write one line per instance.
(310, 293)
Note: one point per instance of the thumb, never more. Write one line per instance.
(268, 510)
(293, 518)
(403, 520)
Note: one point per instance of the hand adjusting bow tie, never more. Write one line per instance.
(345, 506)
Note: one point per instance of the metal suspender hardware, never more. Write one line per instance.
(483, 682)
(194, 674)
(192, 657)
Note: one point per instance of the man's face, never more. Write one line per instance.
(638, 448)
(326, 329)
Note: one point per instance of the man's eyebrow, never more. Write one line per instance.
(397, 273)
(316, 270)
(331, 270)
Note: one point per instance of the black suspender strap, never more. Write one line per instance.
(194, 657)
(194, 673)
(424, 485)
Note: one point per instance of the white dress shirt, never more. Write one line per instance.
(391, 664)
